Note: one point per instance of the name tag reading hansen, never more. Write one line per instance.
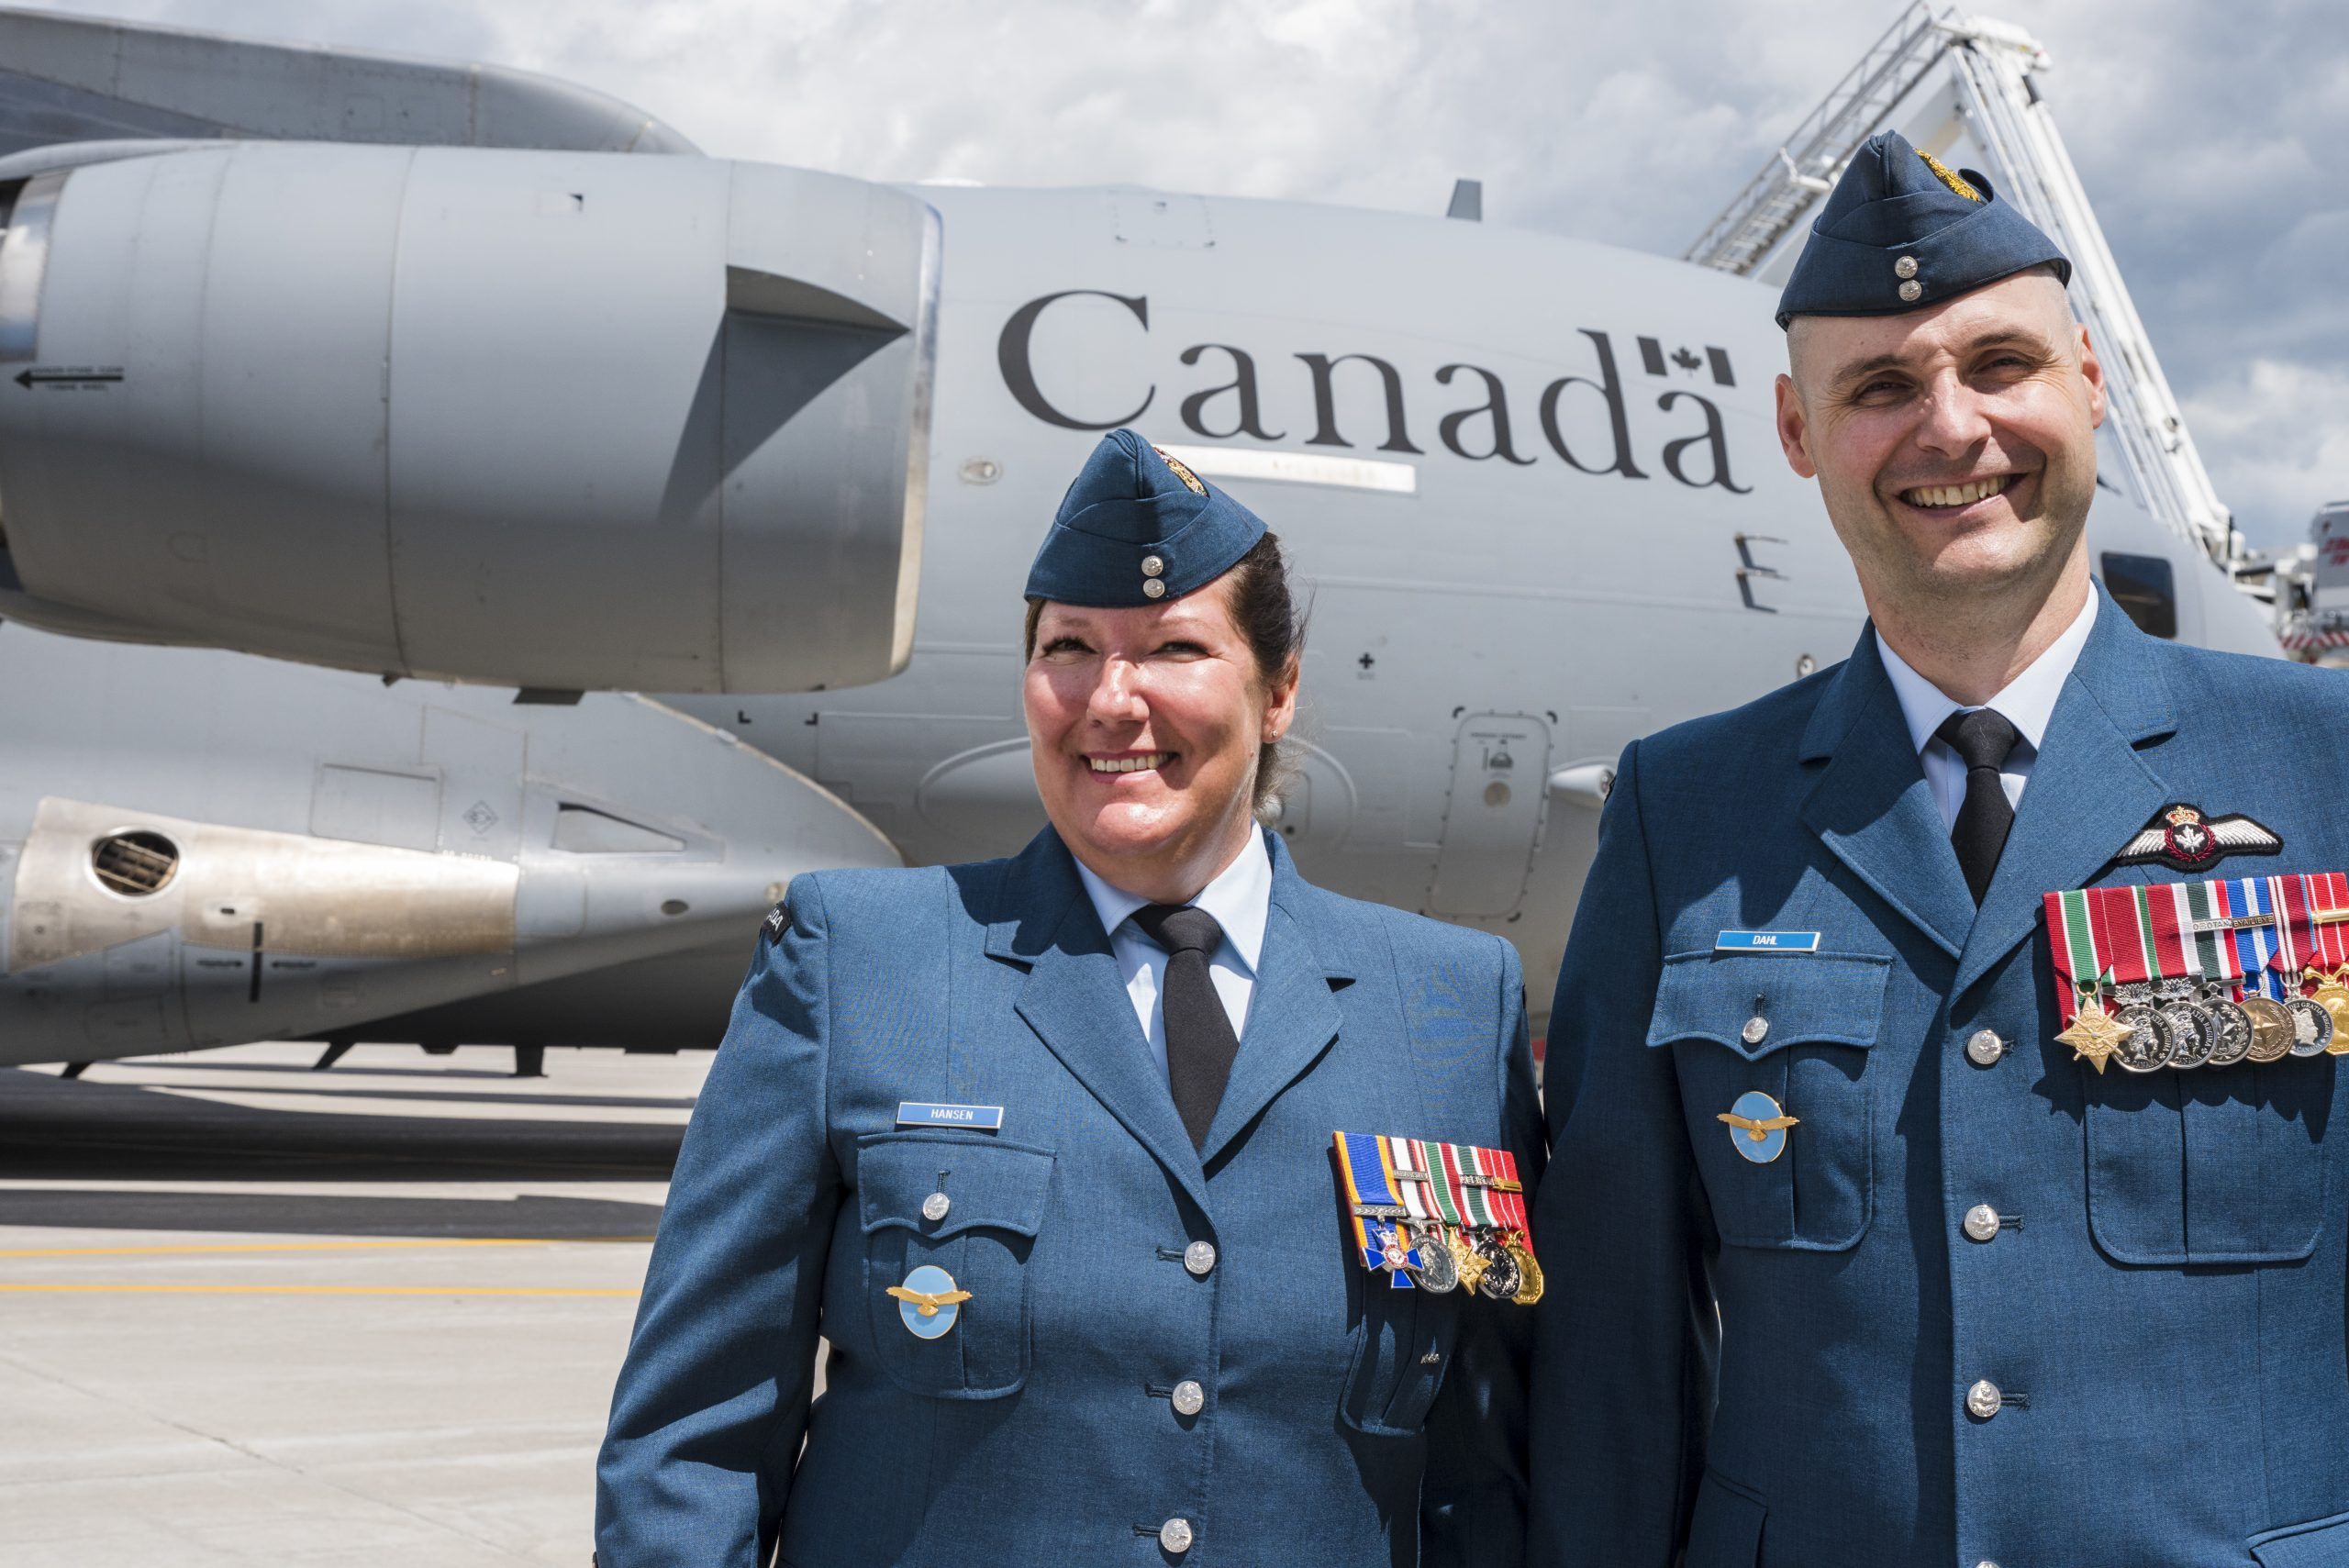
(1767, 941)
(983, 1119)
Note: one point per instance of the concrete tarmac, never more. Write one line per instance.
(253, 1314)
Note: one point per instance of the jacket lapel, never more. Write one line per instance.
(2089, 790)
(1872, 807)
(1074, 999)
(1292, 1018)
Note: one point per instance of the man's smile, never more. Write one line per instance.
(1951, 498)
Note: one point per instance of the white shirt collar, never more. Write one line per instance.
(2027, 702)
(1240, 898)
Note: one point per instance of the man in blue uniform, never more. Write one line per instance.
(1852, 1259)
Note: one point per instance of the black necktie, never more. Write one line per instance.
(1982, 740)
(1199, 1041)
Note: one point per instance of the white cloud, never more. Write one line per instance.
(2209, 136)
(2277, 437)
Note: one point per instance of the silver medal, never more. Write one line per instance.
(2194, 1036)
(2147, 1047)
(1438, 1270)
(2231, 1031)
(1502, 1278)
(2312, 1027)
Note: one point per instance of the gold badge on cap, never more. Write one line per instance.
(1182, 472)
(1949, 176)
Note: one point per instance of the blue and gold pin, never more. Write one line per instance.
(1758, 1127)
(929, 1301)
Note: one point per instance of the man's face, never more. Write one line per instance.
(1954, 446)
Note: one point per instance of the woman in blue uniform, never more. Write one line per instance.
(1041, 1148)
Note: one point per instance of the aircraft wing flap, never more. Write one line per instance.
(74, 79)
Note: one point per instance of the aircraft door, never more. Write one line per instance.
(1492, 819)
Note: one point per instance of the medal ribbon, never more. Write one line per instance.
(2288, 895)
(2329, 940)
(1363, 1168)
(1513, 1204)
(2255, 946)
(2156, 912)
(2072, 940)
(2214, 951)
(1445, 1191)
(1404, 1159)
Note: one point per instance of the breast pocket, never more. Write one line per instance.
(1772, 1054)
(2216, 1166)
(967, 1207)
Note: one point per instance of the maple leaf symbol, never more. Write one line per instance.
(1685, 360)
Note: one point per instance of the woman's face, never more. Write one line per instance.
(1144, 724)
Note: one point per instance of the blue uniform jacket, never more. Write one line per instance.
(1346, 1422)
(2161, 1303)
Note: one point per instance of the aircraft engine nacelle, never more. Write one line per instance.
(550, 420)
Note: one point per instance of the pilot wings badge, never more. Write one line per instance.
(2182, 838)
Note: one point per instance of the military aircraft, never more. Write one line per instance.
(370, 427)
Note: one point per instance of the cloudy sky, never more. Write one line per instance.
(2212, 136)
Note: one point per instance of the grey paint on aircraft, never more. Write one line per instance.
(1530, 485)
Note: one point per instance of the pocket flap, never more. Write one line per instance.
(2320, 1543)
(1836, 998)
(999, 1185)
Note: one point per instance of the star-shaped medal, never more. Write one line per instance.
(2093, 1034)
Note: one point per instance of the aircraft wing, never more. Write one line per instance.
(87, 79)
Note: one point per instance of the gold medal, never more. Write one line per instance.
(1470, 1263)
(2332, 994)
(1528, 1274)
(2271, 1027)
(2093, 1034)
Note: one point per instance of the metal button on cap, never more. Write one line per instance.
(1985, 1562)
(1175, 1535)
(1189, 1398)
(1199, 1257)
(934, 1207)
(1910, 290)
(1755, 1028)
(1151, 566)
(1982, 1400)
(1981, 1222)
(1153, 588)
(1984, 1047)
(1905, 268)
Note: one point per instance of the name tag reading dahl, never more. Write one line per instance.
(981, 1119)
(1767, 941)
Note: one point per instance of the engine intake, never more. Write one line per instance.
(577, 421)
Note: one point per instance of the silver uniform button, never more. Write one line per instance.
(1151, 566)
(1985, 1562)
(1153, 588)
(1189, 1398)
(934, 1207)
(1910, 290)
(1982, 1400)
(1981, 1222)
(1199, 1258)
(1755, 1028)
(1905, 268)
(1984, 1047)
(1175, 1535)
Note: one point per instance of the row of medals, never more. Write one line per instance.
(1485, 1259)
(2187, 1023)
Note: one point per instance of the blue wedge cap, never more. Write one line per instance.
(1139, 528)
(1902, 232)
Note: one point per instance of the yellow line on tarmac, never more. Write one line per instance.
(313, 1246)
(306, 1290)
